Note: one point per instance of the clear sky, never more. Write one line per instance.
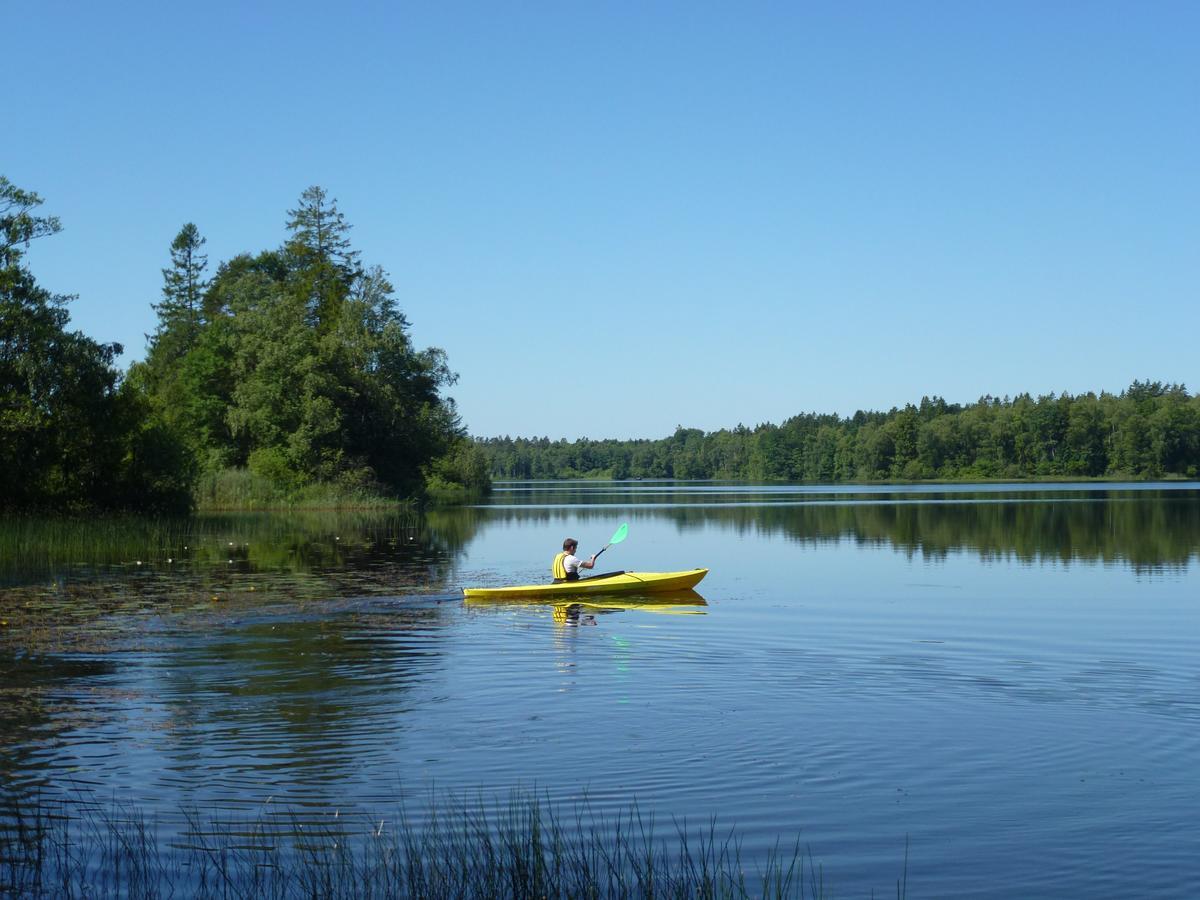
(620, 217)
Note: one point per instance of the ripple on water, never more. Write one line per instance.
(1029, 727)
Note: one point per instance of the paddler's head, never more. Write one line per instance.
(570, 544)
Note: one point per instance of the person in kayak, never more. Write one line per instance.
(567, 565)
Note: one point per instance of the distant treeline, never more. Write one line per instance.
(1150, 430)
(287, 376)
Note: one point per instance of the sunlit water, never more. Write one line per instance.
(1007, 679)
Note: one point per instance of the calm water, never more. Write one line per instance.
(1007, 677)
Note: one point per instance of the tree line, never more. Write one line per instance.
(1149, 430)
(289, 369)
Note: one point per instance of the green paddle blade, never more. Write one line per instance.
(620, 534)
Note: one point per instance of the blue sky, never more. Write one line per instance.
(617, 218)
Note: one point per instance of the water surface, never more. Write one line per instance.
(1007, 677)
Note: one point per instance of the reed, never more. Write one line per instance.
(520, 849)
(242, 489)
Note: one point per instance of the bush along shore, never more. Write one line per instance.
(518, 849)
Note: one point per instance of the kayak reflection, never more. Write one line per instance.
(583, 611)
(675, 603)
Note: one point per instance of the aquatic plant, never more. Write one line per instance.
(522, 848)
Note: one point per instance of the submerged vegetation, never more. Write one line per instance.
(287, 378)
(88, 585)
(521, 850)
(1150, 430)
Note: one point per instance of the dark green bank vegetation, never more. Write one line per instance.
(282, 377)
(1150, 430)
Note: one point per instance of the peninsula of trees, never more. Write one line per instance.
(286, 373)
(1150, 430)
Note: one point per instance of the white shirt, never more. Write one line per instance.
(571, 563)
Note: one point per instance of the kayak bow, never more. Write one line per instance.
(616, 583)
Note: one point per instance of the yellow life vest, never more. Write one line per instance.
(559, 570)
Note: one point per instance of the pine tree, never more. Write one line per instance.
(325, 266)
(180, 314)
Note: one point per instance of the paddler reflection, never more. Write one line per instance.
(572, 614)
(678, 603)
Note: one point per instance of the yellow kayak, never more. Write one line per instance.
(615, 583)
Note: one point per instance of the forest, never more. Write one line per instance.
(288, 376)
(284, 376)
(1149, 430)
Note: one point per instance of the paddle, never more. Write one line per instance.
(619, 535)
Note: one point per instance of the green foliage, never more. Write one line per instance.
(301, 373)
(238, 488)
(324, 268)
(271, 464)
(71, 435)
(460, 474)
(1152, 430)
(246, 489)
(287, 377)
(181, 309)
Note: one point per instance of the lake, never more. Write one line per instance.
(1005, 679)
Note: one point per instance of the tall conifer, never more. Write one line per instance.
(180, 314)
(325, 266)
